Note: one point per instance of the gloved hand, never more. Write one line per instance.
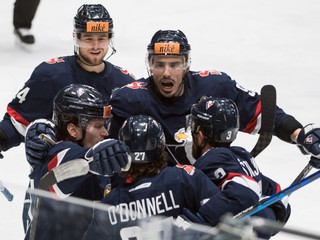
(108, 156)
(308, 140)
(282, 209)
(314, 162)
(279, 211)
(37, 148)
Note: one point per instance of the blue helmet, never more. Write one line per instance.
(218, 118)
(80, 102)
(169, 42)
(144, 137)
(93, 18)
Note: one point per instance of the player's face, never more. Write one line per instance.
(168, 73)
(95, 132)
(93, 47)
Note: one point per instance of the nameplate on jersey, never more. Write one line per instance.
(167, 48)
(97, 27)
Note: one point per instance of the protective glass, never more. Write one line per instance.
(105, 115)
(190, 124)
(92, 40)
(172, 67)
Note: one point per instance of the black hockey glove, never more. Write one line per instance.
(308, 142)
(3, 143)
(108, 157)
(282, 210)
(36, 147)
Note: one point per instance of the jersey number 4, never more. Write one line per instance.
(22, 94)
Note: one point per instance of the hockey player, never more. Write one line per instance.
(150, 188)
(23, 14)
(172, 88)
(80, 115)
(93, 35)
(214, 124)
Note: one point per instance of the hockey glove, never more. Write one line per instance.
(37, 148)
(108, 157)
(281, 209)
(314, 162)
(308, 141)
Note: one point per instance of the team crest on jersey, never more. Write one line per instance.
(137, 85)
(181, 136)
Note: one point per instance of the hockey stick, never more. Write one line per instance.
(75, 168)
(71, 169)
(6, 192)
(276, 197)
(303, 173)
(268, 114)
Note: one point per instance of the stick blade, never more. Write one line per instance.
(268, 116)
(71, 169)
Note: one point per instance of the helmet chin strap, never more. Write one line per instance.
(77, 53)
(112, 53)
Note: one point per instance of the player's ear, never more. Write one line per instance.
(201, 135)
(73, 131)
(201, 139)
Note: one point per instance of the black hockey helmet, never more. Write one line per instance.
(169, 42)
(81, 102)
(93, 18)
(218, 118)
(144, 137)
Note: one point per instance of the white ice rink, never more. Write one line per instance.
(256, 42)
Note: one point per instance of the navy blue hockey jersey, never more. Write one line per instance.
(141, 98)
(242, 184)
(35, 99)
(86, 187)
(165, 194)
(50, 211)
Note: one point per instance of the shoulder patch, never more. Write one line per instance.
(137, 85)
(55, 60)
(125, 71)
(188, 168)
(206, 73)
